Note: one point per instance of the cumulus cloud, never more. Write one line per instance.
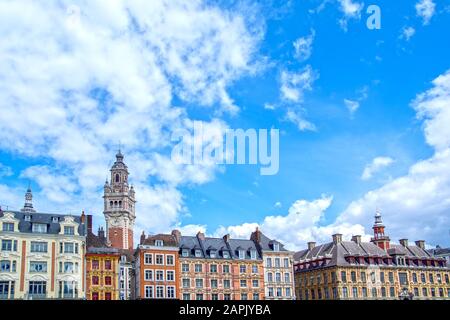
(303, 46)
(294, 84)
(351, 10)
(297, 117)
(407, 33)
(425, 9)
(77, 79)
(375, 166)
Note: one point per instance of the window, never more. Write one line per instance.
(254, 269)
(170, 292)
(403, 278)
(344, 276)
(391, 277)
(185, 253)
(212, 254)
(95, 280)
(214, 296)
(108, 280)
(277, 262)
(198, 253)
(95, 264)
(159, 258)
(226, 254)
(439, 278)
(279, 292)
(27, 217)
(287, 277)
(335, 293)
(243, 283)
(108, 265)
(383, 292)
(256, 296)
(392, 291)
(373, 277)
(270, 292)
(286, 262)
(278, 277)
(186, 283)
(288, 292)
(70, 231)
(170, 275)
(5, 266)
(39, 228)
(159, 292)
(8, 245)
(353, 276)
(148, 258)
(8, 227)
(185, 267)
(433, 292)
(276, 247)
(363, 276)
(148, 275)
(431, 278)
(414, 277)
(108, 296)
(170, 260)
(255, 283)
(269, 262)
(69, 247)
(364, 292)
(355, 292)
(186, 296)
(345, 292)
(226, 268)
(159, 243)
(159, 275)
(374, 292)
(199, 283)
(244, 296)
(226, 284)
(242, 269)
(241, 254)
(253, 254)
(37, 266)
(198, 268)
(148, 292)
(37, 288)
(269, 277)
(382, 277)
(38, 246)
(199, 296)
(423, 278)
(213, 268)
(425, 292)
(213, 283)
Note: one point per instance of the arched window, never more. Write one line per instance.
(120, 204)
(117, 178)
(111, 204)
(115, 203)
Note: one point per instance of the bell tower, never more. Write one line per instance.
(119, 206)
(379, 238)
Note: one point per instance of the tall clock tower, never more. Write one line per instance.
(119, 206)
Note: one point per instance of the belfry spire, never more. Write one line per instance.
(28, 206)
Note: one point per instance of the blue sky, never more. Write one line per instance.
(121, 82)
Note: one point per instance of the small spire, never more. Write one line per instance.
(28, 206)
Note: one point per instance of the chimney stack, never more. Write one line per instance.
(226, 238)
(89, 223)
(337, 238)
(142, 237)
(201, 236)
(101, 233)
(357, 239)
(404, 242)
(421, 244)
(311, 245)
(177, 235)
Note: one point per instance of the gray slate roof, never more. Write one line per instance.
(44, 218)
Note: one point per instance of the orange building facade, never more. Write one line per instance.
(102, 274)
(157, 263)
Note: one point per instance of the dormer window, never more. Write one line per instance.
(241, 254)
(27, 218)
(39, 228)
(69, 231)
(185, 253)
(253, 254)
(276, 247)
(226, 254)
(198, 253)
(159, 243)
(55, 219)
(212, 254)
(8, 227)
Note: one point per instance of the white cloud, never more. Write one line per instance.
(76, 80)
(277, 204)
(375, 166)
(269, 106)
(425, 9)
(297, 118)
(351, 10)
(407, 33)
(351, 105)
(303, 46)
(294, 84)
(5, 171)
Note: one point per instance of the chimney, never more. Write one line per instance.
(337, 238)
(404, 242)
(177, 235)
(421, 244)
(83, 217)
(226, 238)
(101, 233)
(142, 237)
(89, 223)
(311, 245)
(357, 239)
(201, 236)
(256, 236)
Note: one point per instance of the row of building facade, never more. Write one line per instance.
(51, 256)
